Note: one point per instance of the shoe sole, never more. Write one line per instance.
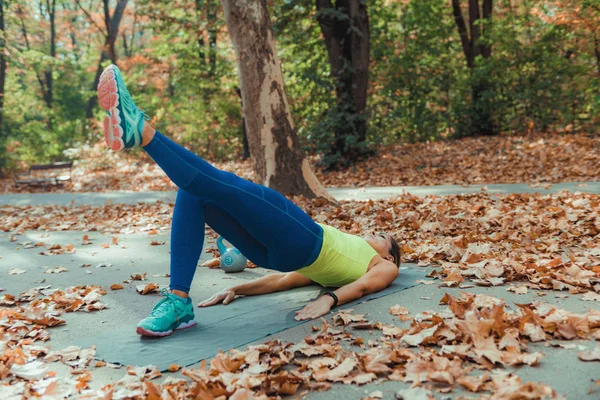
(108, 97)
(183, 325)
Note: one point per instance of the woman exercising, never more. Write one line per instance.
(264, 225)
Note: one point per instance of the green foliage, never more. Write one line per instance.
(541, 76)
(417, 65)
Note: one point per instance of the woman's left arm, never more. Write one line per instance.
(379, 277)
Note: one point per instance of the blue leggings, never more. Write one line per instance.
(262, 224)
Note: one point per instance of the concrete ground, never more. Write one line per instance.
(560, 368)
(364, 193)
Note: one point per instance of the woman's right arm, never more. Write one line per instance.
(267, 284)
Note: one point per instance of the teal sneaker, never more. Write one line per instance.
(171, 313)
(124, 122)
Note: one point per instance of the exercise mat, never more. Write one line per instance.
(224, 327)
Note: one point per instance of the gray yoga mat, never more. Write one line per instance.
(224, 327)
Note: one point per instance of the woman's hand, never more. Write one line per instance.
(315, 309)
(226, 296)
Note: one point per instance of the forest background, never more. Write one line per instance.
(437, 69)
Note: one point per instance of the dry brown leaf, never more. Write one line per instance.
(398, 310)
(145, 289)
(56, 270)
(344, 317)
(419, 337)
(593, 355)
(212, 263)
(337, 373)
(473, 383)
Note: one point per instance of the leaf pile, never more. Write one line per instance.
(109, 218)
(534, 158)
(550, 241)
(474, 332)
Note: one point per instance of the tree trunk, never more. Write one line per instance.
(211, 18)
(201, 54)
(245, 145)
(347, 42)
(48, 72)
(2, 68)
(597, 51)
(108, 50)
(279, 162)
(481, 106)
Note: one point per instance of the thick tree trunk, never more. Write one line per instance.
(2, 67)
(347, 42)
(108, 50)
(279, 161)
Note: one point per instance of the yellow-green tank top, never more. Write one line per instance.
(343, 259)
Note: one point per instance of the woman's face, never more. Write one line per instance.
(382, 243)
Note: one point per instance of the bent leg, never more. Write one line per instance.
(292, 238)
(187, 237)
(232, 231)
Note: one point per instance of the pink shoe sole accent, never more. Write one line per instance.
(144, 332)
(108, 97)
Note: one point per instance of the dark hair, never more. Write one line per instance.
(395, 251)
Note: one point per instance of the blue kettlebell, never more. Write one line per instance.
(231, 259)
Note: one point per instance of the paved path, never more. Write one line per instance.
(371, 192)
(559, 368)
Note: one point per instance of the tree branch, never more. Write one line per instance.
(462, 30)
(90, 18)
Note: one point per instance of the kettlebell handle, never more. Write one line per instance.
(221, 245)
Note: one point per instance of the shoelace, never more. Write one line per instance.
(163, 306)
(144, 115)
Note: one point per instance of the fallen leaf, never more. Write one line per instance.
(418, 338)
(593, 355)
(16, 271)
(416, 393)
(138, 277)
(145, 289)
(56, 270)
(473, 383)
(338, 372)
(212, 263)
(174, 368)
(398, 310)
(518, 289)
(31, 371)
(591, 296)
(344, 317)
